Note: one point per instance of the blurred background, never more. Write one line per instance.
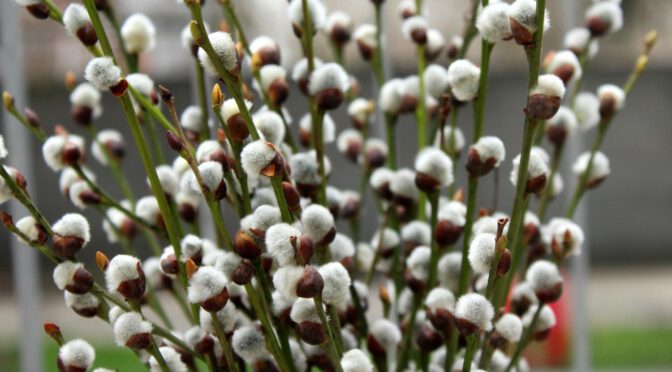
(623, 306)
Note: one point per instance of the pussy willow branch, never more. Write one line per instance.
(470, 28)
(525, 340)
(479, 117)
(127, 106)
(520, 202)
(378, 63)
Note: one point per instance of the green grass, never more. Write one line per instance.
(611, 348)
(627, 348)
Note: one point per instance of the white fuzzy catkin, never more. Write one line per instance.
(262, 42)
(28, 227)
(523, 290)
(587, 110)
(417, 232)
(87, 301)
(599, 169)
(329, 76)
(490, 147)
(248, 342)
(286, 278)
(341, 248)
(63, 273)
(128, 325)
(510, 327)
(75, 17)
(366, 34)
(270, 125)
(563, 58)
(435, 163)
(147, 208)
(482, 252)
(328, 127)
(436, 80)
(360, 110)
(463, 77)
(318, 13)
(212, 175)
(549, 85)
(5, 191)
(153, 272)
(187, 39)
(390, 239)
(347, 138)
(120, 269)
(303, 310)
(413, 24)
(305, 168)
(172, 358)
(493, 22)
(476, 309)
(256, 156)
(278, 243)
(565, 119)
(52, 149)
(545, 321)
(86, 95)
(440, 298)
(300, 70)
(269, 74)
(336, 283)
(77, 353)
(138, 33)
(435, 42)
(455, 212)
(542, 275)
(391, 96)
(167, 179)
(356, 360)
(337, 19)
(224, 48)
(102, 73)
(525, 13)
(458, 139)
(577, 38)
(403, 184)
(560, 229)
(228, 316)
(380, 177)
(609, 12)
(386, 333)
(142, 83)
(73, 224)
(317, 222)
(612, 92)
(191, 118)
(102, 138)
(206, 283)
(418, 262)
(406, 7)
(537, 167)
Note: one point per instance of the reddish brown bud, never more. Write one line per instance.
(237, 128)
(87, 35)
(133, 289)
(102, 261)
(441, 319)
(550, 295)
(521, 34)
(169, 265)
(564, 72)
(31, 117)
(426, 183)
(542, 107)
(120, 88)
(291, 196)
(476, 166)
(419, 36)
(597, 26)
(428, 339)
(39, 10)
(67, 246)
(466, 327)
(139, 341)
(54, 331)
(311, 333)
(191, 268)
(310, 284)
(82, 282)
(278, 92)
(174, 141)
(243, 273)
(245, 245)
(535, 185)
(375, 348)
(71, 154)
(504, 263)
(447, 233)
(365, 50)
(217, 302)
(329, 99)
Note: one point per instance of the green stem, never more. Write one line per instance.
(269, 332)
(378, 65)
(330, 344)
(318, 143)
(406, 343)
(525, 340)
(202, 100)
(421, 118)
(583, 180)
(434, 257)
(520, 201)
(465, 269)
(24, 199)
(548, 190)
(224, 342)
(470, 30)
(154, 141)
(469, 353)
(391, 135)
(37, 132)
(280, 197)
(156, 353)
